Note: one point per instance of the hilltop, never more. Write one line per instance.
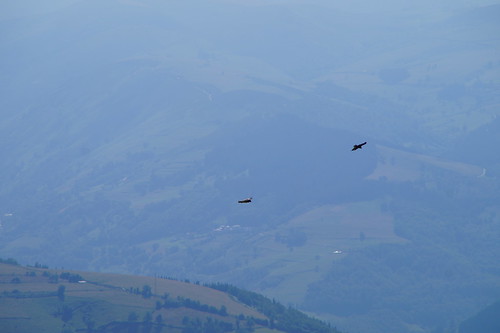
(47, 300)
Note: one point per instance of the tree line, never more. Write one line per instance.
(280, 317)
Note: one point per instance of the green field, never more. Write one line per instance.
(46, 300)
(30, 301)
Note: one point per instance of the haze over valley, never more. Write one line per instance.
(130, 129)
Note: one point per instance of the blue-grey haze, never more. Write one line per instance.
(130, 128)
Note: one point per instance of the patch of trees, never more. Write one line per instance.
(145, 292)
(72, 278)
(53, 278)
(179, 301)
(280, 317)
(133, 325)
(210, 325)
(38, 265)
(60, 292)
(27, 294)
(9, 261)
(64, 312)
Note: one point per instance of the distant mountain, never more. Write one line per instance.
(486, 321)
(47, 300)
(130, 129)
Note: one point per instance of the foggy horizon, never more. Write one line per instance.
(130, 129)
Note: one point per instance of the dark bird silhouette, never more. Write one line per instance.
(247, 200)
(355, 147)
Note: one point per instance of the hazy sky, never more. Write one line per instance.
(132, 123)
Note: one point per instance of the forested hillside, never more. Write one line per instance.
(487, 320)
(130, 129)
(46, 300)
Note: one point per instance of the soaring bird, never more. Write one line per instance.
(355, 147)
(247, 200)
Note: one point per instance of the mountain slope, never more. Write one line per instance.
(129, 130)
(485, 321)
(35, 298)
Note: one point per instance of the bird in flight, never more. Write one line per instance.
(247, 200)
(355, 147)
